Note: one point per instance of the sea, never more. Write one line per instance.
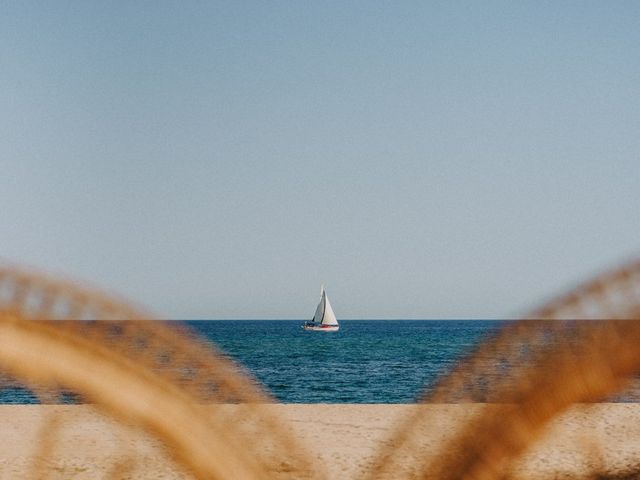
(366, 361)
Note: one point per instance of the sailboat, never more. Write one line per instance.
(324, 320)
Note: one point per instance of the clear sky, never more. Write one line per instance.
(222, 160)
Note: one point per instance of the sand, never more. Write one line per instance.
(344, 438)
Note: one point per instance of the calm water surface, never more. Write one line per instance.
(367, 361)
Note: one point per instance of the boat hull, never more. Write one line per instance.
(322, 328)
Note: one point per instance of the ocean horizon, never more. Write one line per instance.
(366, 361)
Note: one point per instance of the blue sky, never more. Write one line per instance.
(222, 160)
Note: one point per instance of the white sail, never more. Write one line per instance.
(317, 318)
(329, 318)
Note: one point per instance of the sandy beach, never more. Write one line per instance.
(344, 438)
